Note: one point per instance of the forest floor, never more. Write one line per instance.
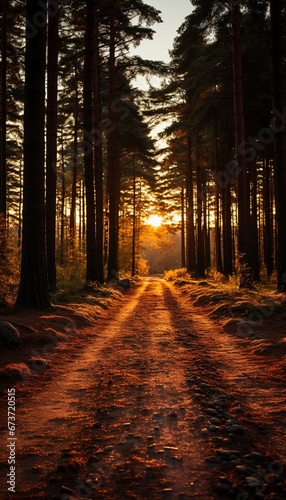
(163, 392)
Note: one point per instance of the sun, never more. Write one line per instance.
(154, 220)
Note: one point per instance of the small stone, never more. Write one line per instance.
(222, 487)
(259, 496)
(212, 411)
(227, 453)
(224, 479)
(205, 432)
(211, 404)
(9, 334)
(235, 428)
(241, 469)
(227, 415)
(156, 415)
(261, 471)
(213, 428)
(238, 409)
(253, 482)
(256, 455)
(230, 422)
(218, 402)
(173, 414)
(226, 441)
(273, 478)
(215, 420)
(97, 425)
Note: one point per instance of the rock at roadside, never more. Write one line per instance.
(9, 335)
(124, 283)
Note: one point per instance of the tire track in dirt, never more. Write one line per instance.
(124, 418)
(120, 424)
(244, 375)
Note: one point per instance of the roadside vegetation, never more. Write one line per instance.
(257, 315)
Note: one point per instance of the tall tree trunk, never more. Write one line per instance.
(133, 267)
(183, 236)
(88, 156)
(3, 110)
(74, 173)
(242, 185)
(279, 138)
(254, 225)
(268, 218)
(99, 191)
(62, 209)
(218, 256)
(113, 163)
(226, 208)
(190, 225)
(51, 177)
(3, 133)
(200, 270)
(206, 233)
(34, 290)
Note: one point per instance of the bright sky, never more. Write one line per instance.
(173, 13)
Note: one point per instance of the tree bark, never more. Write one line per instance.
(133, 267)
(98, 154)
(74, 173)
(88, 140)
(190, 226)
(34, 290)
(113, 163)
(218, 256)
(268, 218)
(254, 225)
(183, 236)
(51, 176)
(200, 269)
(279, 138)
(3, 117)
(226, 209)
(242, 185)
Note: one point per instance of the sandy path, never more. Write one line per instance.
(126, 418)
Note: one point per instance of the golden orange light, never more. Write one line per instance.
(154, 220)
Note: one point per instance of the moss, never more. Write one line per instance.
(205, 284)
(241, 307)
(221, 310)
(202, 300)
(230, 325)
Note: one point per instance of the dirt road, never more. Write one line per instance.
(159, 404)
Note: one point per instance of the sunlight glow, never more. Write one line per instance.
(154, 220)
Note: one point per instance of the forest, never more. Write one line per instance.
(81, 172)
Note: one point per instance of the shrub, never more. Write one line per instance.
(174, 274)
(9, 268)
(71, 276)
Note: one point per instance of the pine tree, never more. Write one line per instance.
(279, 139)
(33, 290)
